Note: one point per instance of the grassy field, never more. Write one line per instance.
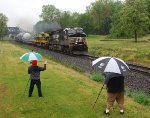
(125, 49)
(67, 93)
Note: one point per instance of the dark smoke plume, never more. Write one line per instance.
(46, 27)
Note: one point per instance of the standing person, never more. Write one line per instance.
(34, 71)
(115, 91)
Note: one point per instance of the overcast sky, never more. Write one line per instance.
(25, 13)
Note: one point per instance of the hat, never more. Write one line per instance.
(34, 62)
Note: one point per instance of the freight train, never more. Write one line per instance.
(68, 40)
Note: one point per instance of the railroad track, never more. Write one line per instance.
(133, 67)
(139, 68)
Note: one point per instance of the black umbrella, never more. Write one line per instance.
(111, 64)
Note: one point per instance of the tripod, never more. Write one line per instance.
(26, 86)
(98, 96)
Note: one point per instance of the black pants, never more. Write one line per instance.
(38, 84)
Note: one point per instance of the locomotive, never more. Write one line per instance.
(41, 39)
(68, 40)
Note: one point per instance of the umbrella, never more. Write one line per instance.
(111, 65)
(31, 56)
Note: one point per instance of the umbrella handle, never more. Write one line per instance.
(98, 95)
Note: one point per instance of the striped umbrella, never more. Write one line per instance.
(31, 56)
(111, 64)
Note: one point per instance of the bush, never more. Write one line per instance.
(97, 77)
(141, 97)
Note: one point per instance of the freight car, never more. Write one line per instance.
(68, 40)
(24, 37)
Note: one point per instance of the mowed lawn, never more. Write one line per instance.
(67, 93)
(125, 49)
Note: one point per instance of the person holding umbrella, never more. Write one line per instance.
(114, 70)
(34, 71)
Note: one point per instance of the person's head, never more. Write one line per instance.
(34, 62)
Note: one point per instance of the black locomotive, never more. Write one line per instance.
(69, 40)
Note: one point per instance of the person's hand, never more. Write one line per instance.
(45, 62)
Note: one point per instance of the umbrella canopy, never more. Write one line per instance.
(111, 65)
(31, 56)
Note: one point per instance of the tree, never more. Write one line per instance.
(68, 19)
(101, 10)
(65, 19)
(116, 24)
(148, 10)
(3, 25)
(86, 22)
(50, 13)
(74, 19)
(135, 20)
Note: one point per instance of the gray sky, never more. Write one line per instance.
(25, 13)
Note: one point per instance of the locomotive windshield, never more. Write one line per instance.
(76, 32)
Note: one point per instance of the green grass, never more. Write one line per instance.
(97, 77)
(125, 49)
(67, 93)
(138, 96)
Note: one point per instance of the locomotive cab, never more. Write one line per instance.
(75, 38)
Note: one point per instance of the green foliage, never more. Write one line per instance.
(139, 97)
(86, 22)
(101, 10)
(50, 13)
(74, 19)
(116, 26)
(67, 93)
(68, 19)
(65, 19)
(125, 49)
(76, 68)
(97, 77)
(3, 25)
(131, 20)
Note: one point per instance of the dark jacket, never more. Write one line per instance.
(34, 72)
(115, 84)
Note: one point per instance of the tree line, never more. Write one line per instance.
(3, 25)
(125, 19)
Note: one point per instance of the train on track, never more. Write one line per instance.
(68, 40)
